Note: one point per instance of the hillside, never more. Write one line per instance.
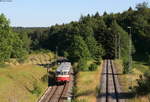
(24, 82)
(18, 82)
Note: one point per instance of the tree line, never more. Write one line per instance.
(92, 37)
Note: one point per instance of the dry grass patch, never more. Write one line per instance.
(40, 58)
(129, 80)
(87, 85)
(22, 82)
(35, 58)
(18, 82)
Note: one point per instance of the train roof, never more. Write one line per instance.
(65, 66)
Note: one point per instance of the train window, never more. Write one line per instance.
(62, 73)
(57, 73)
(65, 73)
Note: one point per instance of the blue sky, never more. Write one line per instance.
(43, 13)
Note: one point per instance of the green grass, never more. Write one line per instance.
(17, 83)
(87, 85)
(2, 65)
(140, 66)
(23, 82)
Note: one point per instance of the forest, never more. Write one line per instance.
(92, 37)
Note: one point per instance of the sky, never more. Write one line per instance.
(44, 13)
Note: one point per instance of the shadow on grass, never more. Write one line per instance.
(48, 65)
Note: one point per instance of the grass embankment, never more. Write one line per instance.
(23, 82)
(88, 85)
(129, 80)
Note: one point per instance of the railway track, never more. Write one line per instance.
(112, 94)
(55, 93)
(110, 88)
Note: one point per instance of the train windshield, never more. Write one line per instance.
(65, 73)
(62, 73)
(57, 73)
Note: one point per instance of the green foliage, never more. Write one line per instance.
(45, 78)
(82, 65)
(78, 49)
(11, 45)
(125, 66)
(36, 89)
(17, 48)
(22, 59)
(96, 50)
(98, 62)
(5, 39)
(142, 6)
(26, 41)
(143, 84)
(92, 36)
(74, 90)
(121, 39)
(93, 67)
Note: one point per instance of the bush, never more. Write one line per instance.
(143, 84)
(22, 59)
(125, 67)
(36, 89)
(93, 67)
(45, 78)
(82, 66)
(98, 62)
(74, 90)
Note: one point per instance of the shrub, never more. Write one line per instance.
(93, 67)
(82, 66)
(98, 62)
(45, 78)
(125, 67)
(36, 89)
(74, 90)
(97, 89)
(22, 59)
(143, 84)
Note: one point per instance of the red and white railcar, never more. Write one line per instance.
(63, 72)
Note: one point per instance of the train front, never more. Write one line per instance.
(62, 77)
(63, 73)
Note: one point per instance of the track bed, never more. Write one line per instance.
(110, 88)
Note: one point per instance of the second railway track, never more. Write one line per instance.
(112, 93)
(110, 87)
